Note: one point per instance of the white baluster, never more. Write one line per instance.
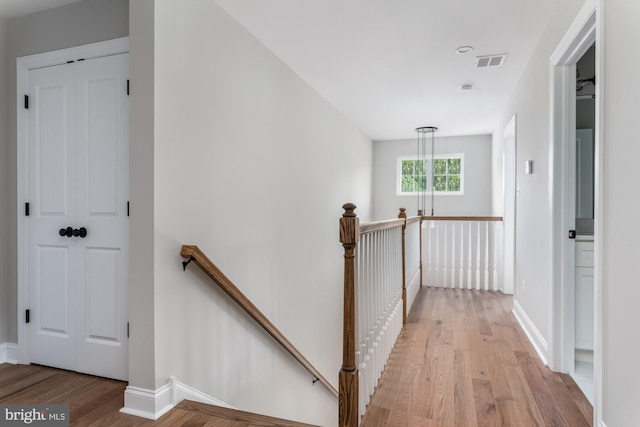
(445, 255)
(486, 256)
(470, 259)
(496, 241)
(461, 270)
(478, 257)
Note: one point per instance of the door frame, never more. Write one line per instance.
(509, 184)
(583, 32)
(23, 66)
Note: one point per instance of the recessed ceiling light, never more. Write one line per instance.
(464, 49)
(466, 87)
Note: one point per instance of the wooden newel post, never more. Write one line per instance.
(348, 380)
(403, 215)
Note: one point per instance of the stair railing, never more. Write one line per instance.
(381, 278)
(463, 252)
(195, 255)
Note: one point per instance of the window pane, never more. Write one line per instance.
(407, 168)
(453, 183)
(440, 166)
(421, 183)
(421, 167)
(440, 183)
(407, 184)
(454, 166)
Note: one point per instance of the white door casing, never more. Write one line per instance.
(76, 174)
(510, 185)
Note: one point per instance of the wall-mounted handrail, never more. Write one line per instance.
(192, 253)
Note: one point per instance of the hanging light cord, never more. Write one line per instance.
(422, 154)
(433, 186)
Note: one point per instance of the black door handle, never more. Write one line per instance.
(75, 232)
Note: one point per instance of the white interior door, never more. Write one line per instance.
(79, 178)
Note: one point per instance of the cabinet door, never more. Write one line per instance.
(584, 308)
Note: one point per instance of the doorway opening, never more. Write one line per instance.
(568, 305)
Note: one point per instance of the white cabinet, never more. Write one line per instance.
(584, 295)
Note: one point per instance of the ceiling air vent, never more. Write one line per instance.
(490, 61)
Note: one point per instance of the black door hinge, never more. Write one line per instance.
(127, 329)
(127, 86)
(26, 102)
(26, 209)
(27, 316)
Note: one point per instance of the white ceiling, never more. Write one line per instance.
(14, 8)
(390, 65)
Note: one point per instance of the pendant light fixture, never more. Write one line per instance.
(423, 136)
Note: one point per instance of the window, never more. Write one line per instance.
(414, 175)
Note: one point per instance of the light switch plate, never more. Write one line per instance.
(528, 167)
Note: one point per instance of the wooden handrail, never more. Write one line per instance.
(209, 268)
(370, 227)
(462, 218)
(412, 219)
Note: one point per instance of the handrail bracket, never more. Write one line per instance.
(185, 263)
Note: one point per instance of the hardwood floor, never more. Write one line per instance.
(97, 401)
(463, 360)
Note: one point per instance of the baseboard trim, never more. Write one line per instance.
(145, 403)
(534, 335)
(182, 391)
(153, 404)
(9, 353)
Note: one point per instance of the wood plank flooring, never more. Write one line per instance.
(97, 401)
(463, 360)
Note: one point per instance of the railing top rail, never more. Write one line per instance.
(413, 219)
(210, 269)
(370, 227)
(462, 218)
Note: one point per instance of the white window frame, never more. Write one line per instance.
(429, 160)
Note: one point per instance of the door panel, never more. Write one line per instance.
(79, 176)
(52, 288)
(53, 144)
(103, 192)
(51, 177)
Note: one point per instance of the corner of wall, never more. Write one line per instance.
(153, 404)
(535, 337)
(145, 403)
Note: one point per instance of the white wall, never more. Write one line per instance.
(142, 360)
(620, 236)
(477, 177)
(73, 25)
(253, 166)
(4, 187)
(530, 103)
